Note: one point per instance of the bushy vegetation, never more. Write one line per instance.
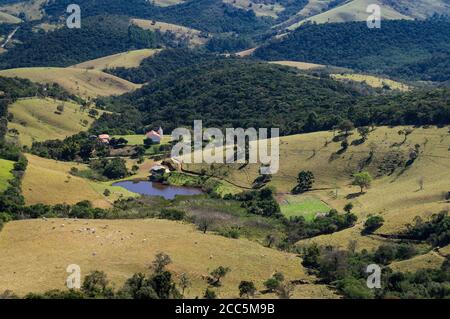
(346, 269)
(435, 231)
(417, 50)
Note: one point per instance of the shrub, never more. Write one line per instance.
(372, 223)
(172, 214)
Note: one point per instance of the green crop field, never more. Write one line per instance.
(306, 206)
(5, 173)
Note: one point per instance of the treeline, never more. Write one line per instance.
(245, 93)
(346, 269)
(99, 36)
(416, 50)
(206, 15)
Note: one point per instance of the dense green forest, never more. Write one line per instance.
(231, 93)
(246, 93)
(416, 50)
(161, 64)
(99, 36)
(205, 15)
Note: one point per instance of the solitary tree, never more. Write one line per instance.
(363, 180)
(372, 223)
(346, 126)
(160, 262)
(184, 283)
(348, 207)
(363, 132)
(217, 274)
(247, 289)
(305, 182)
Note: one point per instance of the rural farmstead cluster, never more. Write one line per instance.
(224, 157)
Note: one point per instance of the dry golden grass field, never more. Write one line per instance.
(166, 3)
(398, 197)
(81, 82)
(37, 119)
(194, 36)
(31, 9)
(50, 182)
(128, 59)
(35, 254)
(373, 81)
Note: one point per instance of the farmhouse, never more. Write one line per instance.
(104, 138)
(155, 136)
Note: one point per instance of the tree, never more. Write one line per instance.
(363, 132)
(217, 274)
(305, 182)
(348, 207)
(346, 126)
(363, 180)
(95, 285)
(160, 262)
(247, 288)
(184, 282)
(203, 223)
(373, 223)
(209, 294)
(106, 192)
(115, 168)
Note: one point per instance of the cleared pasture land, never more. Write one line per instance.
(5, 173)
(397, 197)
(81, 82)
(8, 18)
(35, 254)
(260, 9)
(50, 182)
(128, 59)
(37, 119)
(373, 81)
(306, 206)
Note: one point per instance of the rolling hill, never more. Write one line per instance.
(130, 59)
(123, 247)
(397, 197)
(37, 119)
(81, 82)
(5, 173)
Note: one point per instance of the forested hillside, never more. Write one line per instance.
(416, 50)
(237, 93)
(99, 36)
(205, 15)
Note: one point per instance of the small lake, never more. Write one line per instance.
(158, 189)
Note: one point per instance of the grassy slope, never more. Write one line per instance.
(7, 18)
(59, 186)
(128, 59)
(5, 173)
(85, 83)
(31, 9)
(373, 81)
(36, 120)
(352, 11)
(396, 197)
(43, 249)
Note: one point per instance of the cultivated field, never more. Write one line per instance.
(84, 83)
(50, 182)
(194, 36)
(398, 197)
(43, 249)
(5, 173)
(37, 119)
(128, 59)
